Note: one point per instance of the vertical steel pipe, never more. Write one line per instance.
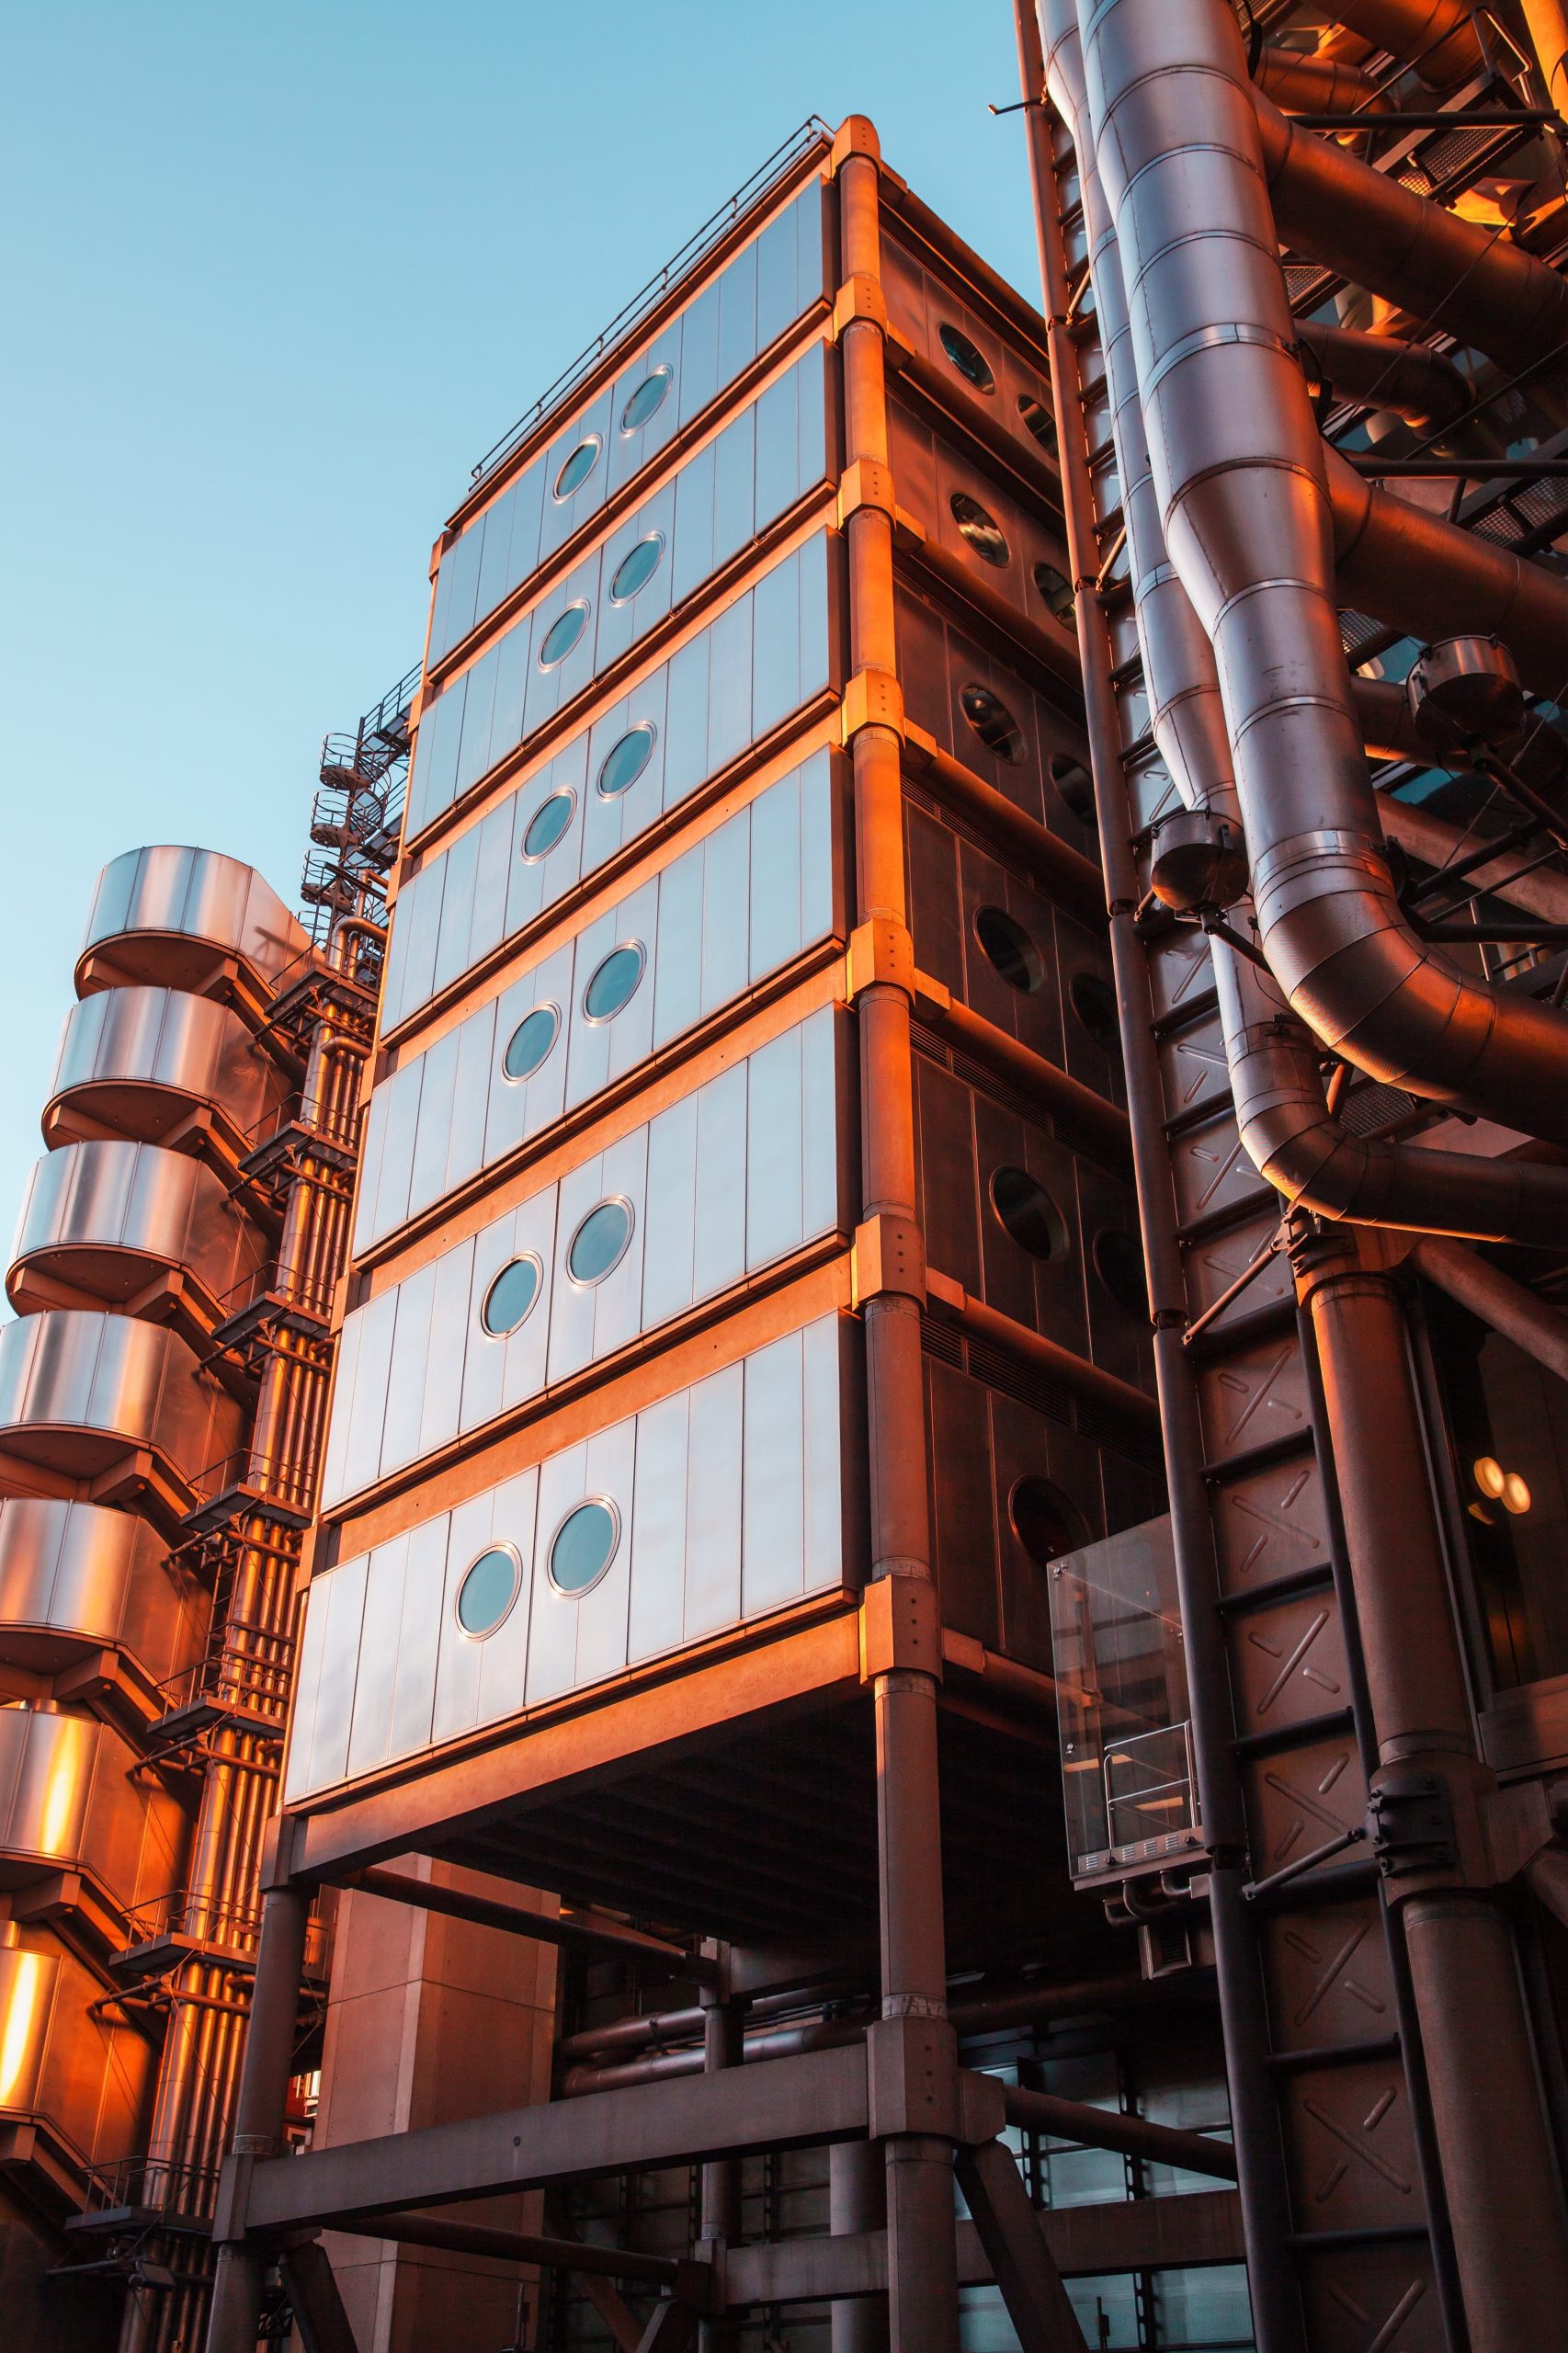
(922, 2258)
(1276, 2300)
(235, 2318)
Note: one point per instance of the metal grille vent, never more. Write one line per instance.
(1367, 1108)
(997, 1371)
(975, 1075)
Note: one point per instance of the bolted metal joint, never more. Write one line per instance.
(1412, 1824)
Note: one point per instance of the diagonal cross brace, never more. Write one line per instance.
(1014, 2244)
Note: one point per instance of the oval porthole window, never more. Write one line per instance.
(1042, 1519)
(509, 1300)
(584, 1546)
(1056, 590)
(1095, 1008)
(614, 984)
(978, 529)
(993, 722)
(969, 359)
(488, 1590)
(636, 568)
(547, 824)
(1075, 786)
(599, 1243)
(1028, 1212)
(530, 1041)
(1118, 1263)
(1010, 949)
(625, 761)
(1038, 420)
(578, 467)
(562, 636)
(646, 401)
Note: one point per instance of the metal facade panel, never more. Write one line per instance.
(731, 1500)
(370, 1734)
(773, 655)
(712, 506)
(727, 1179)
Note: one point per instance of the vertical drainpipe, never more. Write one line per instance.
(1503, 2196)
(922, 2252)
(1276, 2298)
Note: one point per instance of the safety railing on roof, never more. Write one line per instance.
(812, 133)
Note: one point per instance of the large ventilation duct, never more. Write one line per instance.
(1316, 85)
(1238, 463)
(1295, 1142)
(1436, 36)
(1380, 370)
(1371, 229)
(1403, 564)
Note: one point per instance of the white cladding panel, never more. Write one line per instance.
(742, 310)
(734, 907)
(731, 1502)
(714, 506)
(741, 1172)
(727, 687)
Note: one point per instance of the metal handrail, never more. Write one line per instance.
(812, 133)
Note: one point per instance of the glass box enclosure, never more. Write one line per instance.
(1121, 1703)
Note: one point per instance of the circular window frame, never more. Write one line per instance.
(610, 1201)
(1013, 758)
(1021, 939)
(1081, 984)
(973, 528)
(1112, 1239)
(524, 1258)
(654, 539)
(1071, 781)
(665, 376)
(985, 386)
(599, 1020)
(1031, 407)
(497, 1544)
(1073, 1521)
(578, 605)
(580, 1592)
(650, 734)
(1036, 1201)
(536, 857)
(521, 1078)
(1059, 601)
(594, 442)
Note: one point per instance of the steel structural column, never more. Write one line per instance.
(922, 2258)
(1504, 2198)
(259, 2115)
(857, 2196)
(1276, 2297)
(723, 2045)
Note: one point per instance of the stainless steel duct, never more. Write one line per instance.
(1238, 464)
(1304, 1150)
(1316, 85)
(1404, 565)
(1388, 373)
(1436, 36)
(1370, 228)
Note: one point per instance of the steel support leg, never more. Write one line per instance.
(1037, 2303)
(235, 2316)
(1505, 2201)
(722, 2040)
(858, 2201)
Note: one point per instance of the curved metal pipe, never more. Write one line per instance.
(1285, 1125)
(1371, 229)
(1403, 564)
(1381, 369)
(1511, 1310)
(1316, 85)
(1238, 464)
(1436, 36)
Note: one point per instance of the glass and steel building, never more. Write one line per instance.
(923, 1642)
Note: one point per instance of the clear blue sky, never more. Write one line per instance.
(277, 276)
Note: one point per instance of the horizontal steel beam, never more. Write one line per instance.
(1144, 2234)
(1131, 2136)
(574, 1931)
(526, 2246)
(816, 2099)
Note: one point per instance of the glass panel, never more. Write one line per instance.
(1122, 1686)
